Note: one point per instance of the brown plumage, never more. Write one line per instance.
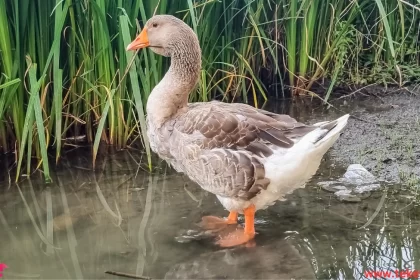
(245, 134)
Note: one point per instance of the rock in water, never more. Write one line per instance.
(356, 174)
(355, 185)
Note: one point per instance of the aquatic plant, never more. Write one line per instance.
(65, 73)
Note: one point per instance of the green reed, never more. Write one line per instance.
(65, 71)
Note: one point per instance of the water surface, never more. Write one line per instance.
(121, 218)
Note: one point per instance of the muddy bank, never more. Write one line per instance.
(387, 141)
(383, 135)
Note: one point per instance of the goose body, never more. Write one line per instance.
(249, 158)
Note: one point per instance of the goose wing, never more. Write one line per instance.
(222, 146)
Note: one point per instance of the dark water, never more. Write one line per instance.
(121, 218)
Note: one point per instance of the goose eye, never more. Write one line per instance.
(155, 25)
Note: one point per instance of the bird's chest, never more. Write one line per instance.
(159, 139)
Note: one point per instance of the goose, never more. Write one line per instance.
(248, 157)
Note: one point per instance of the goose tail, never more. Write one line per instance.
(329, 133)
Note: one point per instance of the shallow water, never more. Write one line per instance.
(120, 218)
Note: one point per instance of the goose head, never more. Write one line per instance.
(169, 36)
(166, 35)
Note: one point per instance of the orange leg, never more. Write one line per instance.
(212, 222)
(241, 236)
(232, 218)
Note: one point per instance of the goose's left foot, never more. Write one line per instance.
(240, 236)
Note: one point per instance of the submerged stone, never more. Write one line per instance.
(346, 195)
(367, 188)
(329, 186)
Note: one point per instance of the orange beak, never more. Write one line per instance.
(141, 41)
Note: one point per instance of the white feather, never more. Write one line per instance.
(290, 169)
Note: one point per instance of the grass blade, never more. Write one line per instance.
(136, 88)
(384, 19)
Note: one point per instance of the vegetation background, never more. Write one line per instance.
(65, 72)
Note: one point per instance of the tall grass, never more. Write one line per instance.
(65, 72)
